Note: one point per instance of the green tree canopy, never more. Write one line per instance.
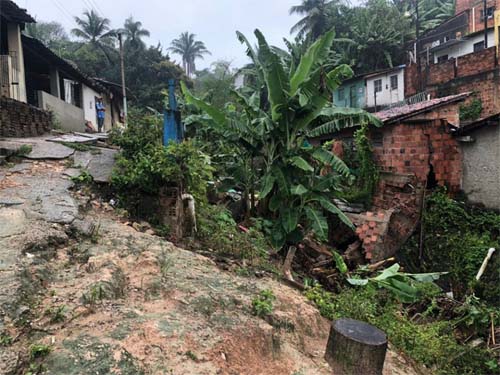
(189, 49)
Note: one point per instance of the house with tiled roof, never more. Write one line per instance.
(420, 146)
(39, 89)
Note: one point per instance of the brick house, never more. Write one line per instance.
(415, 149)
(454, 58)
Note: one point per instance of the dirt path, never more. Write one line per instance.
(124, 302)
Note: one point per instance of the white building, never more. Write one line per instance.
(459, 47)
(385, 87)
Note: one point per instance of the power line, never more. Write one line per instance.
(96, 6)
(63, 11)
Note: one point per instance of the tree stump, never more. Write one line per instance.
(355, 348)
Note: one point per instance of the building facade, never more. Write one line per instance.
(460, 55)
(372, 91)
(352, 93)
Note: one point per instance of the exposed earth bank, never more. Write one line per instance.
(82, 292)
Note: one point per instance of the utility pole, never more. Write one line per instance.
(485, 16)
(124, 88)
(417, 49)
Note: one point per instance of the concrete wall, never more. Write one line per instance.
(387, 95)
(68, 116)
(16, 47)
(481, 167)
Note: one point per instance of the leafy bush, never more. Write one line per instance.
(217, 230)
(24, 150)
(145, 166)
(262, 305)
(456, 240)
(430, 343)
(363, 167)
(471, 111)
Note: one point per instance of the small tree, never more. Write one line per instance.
(275, 121)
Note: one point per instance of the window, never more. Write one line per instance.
(489, 13)
(479, 46)
(341, 94)
(442, 59)
(377, 85)
(394, 82)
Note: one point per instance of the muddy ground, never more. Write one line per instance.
(83, 292)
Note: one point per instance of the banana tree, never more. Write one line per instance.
(288, 103)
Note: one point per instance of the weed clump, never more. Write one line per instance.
(217, 230)
(262, 305)
(430, 340)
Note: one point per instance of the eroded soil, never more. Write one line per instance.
(99, 297)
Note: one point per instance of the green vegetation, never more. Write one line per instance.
(360, 161)
(192, 356)
(189, 49)
(24, 150)
(427, 337)
(78, 146)
(292, 188)
(38, 351)
(57, 314)
(403, 285)
(84, 178)
(218, 231)
(145, 166)
(5, 339)
(465, 234)
(471, 111)
(262, 305)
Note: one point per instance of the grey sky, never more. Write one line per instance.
(213, 21)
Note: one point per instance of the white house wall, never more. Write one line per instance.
(466, 47)
(89, 110)
(387, 95)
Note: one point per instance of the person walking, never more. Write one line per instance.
(101, 111)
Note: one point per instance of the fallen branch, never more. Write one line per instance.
(376, 266)
(485, 263)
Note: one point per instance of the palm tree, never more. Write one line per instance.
(95, 30)
(316, 18)
(134, 32)
(189, 49)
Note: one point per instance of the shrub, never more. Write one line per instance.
(431, 343)
(24, 150)
(262, 305)
(456, 240)
(217, 230)
(471, 111)
(145, 166)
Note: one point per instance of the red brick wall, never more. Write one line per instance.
(409, 148)
(462, 5)
(411, 80)
(479, 24)
(478, 73)
(441, 72)
(474, 63)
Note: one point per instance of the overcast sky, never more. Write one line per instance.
(213, 21)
